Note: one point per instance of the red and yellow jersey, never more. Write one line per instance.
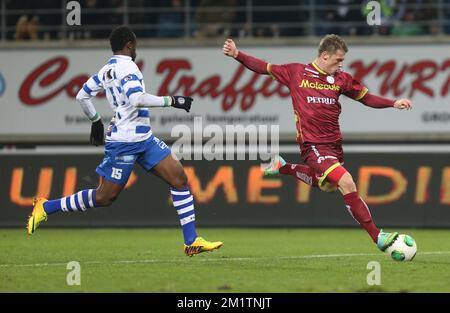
(315, 98)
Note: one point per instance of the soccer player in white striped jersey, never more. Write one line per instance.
(129, 139)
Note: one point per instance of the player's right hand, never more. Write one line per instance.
(97, 133)
(181, 102)
(229, 48)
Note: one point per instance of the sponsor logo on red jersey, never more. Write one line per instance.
(322, 100)
(318, 86)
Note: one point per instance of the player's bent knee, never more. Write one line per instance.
(105, 199)
(180, 180)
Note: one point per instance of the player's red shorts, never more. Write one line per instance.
(323, 158)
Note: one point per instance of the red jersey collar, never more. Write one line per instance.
(319, 69)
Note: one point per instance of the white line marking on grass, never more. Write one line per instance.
(219, 259)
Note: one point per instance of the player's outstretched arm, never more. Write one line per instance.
(146, 100)
(378, 102)
(254, 64)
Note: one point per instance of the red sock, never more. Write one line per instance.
(301, 172)
(360, 212)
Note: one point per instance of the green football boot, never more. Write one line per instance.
(385, 240)
(274, 166)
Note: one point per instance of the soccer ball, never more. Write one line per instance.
(404, 248)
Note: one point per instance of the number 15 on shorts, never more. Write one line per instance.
(116, 173)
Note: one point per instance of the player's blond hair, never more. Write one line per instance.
(330, 43)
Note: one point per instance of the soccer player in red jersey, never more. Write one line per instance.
(315, 89)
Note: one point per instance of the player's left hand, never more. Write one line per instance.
(97, 133)
(403, 104)
(181, 102)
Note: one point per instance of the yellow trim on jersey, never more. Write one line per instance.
(269, 70)
(362, 94)
(318, 68)
(328, 171)
(299, 131)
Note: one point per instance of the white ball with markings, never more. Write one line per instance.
(404, 248)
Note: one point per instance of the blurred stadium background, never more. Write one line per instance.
(400, 160)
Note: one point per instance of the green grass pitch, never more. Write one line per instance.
(252, 260)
